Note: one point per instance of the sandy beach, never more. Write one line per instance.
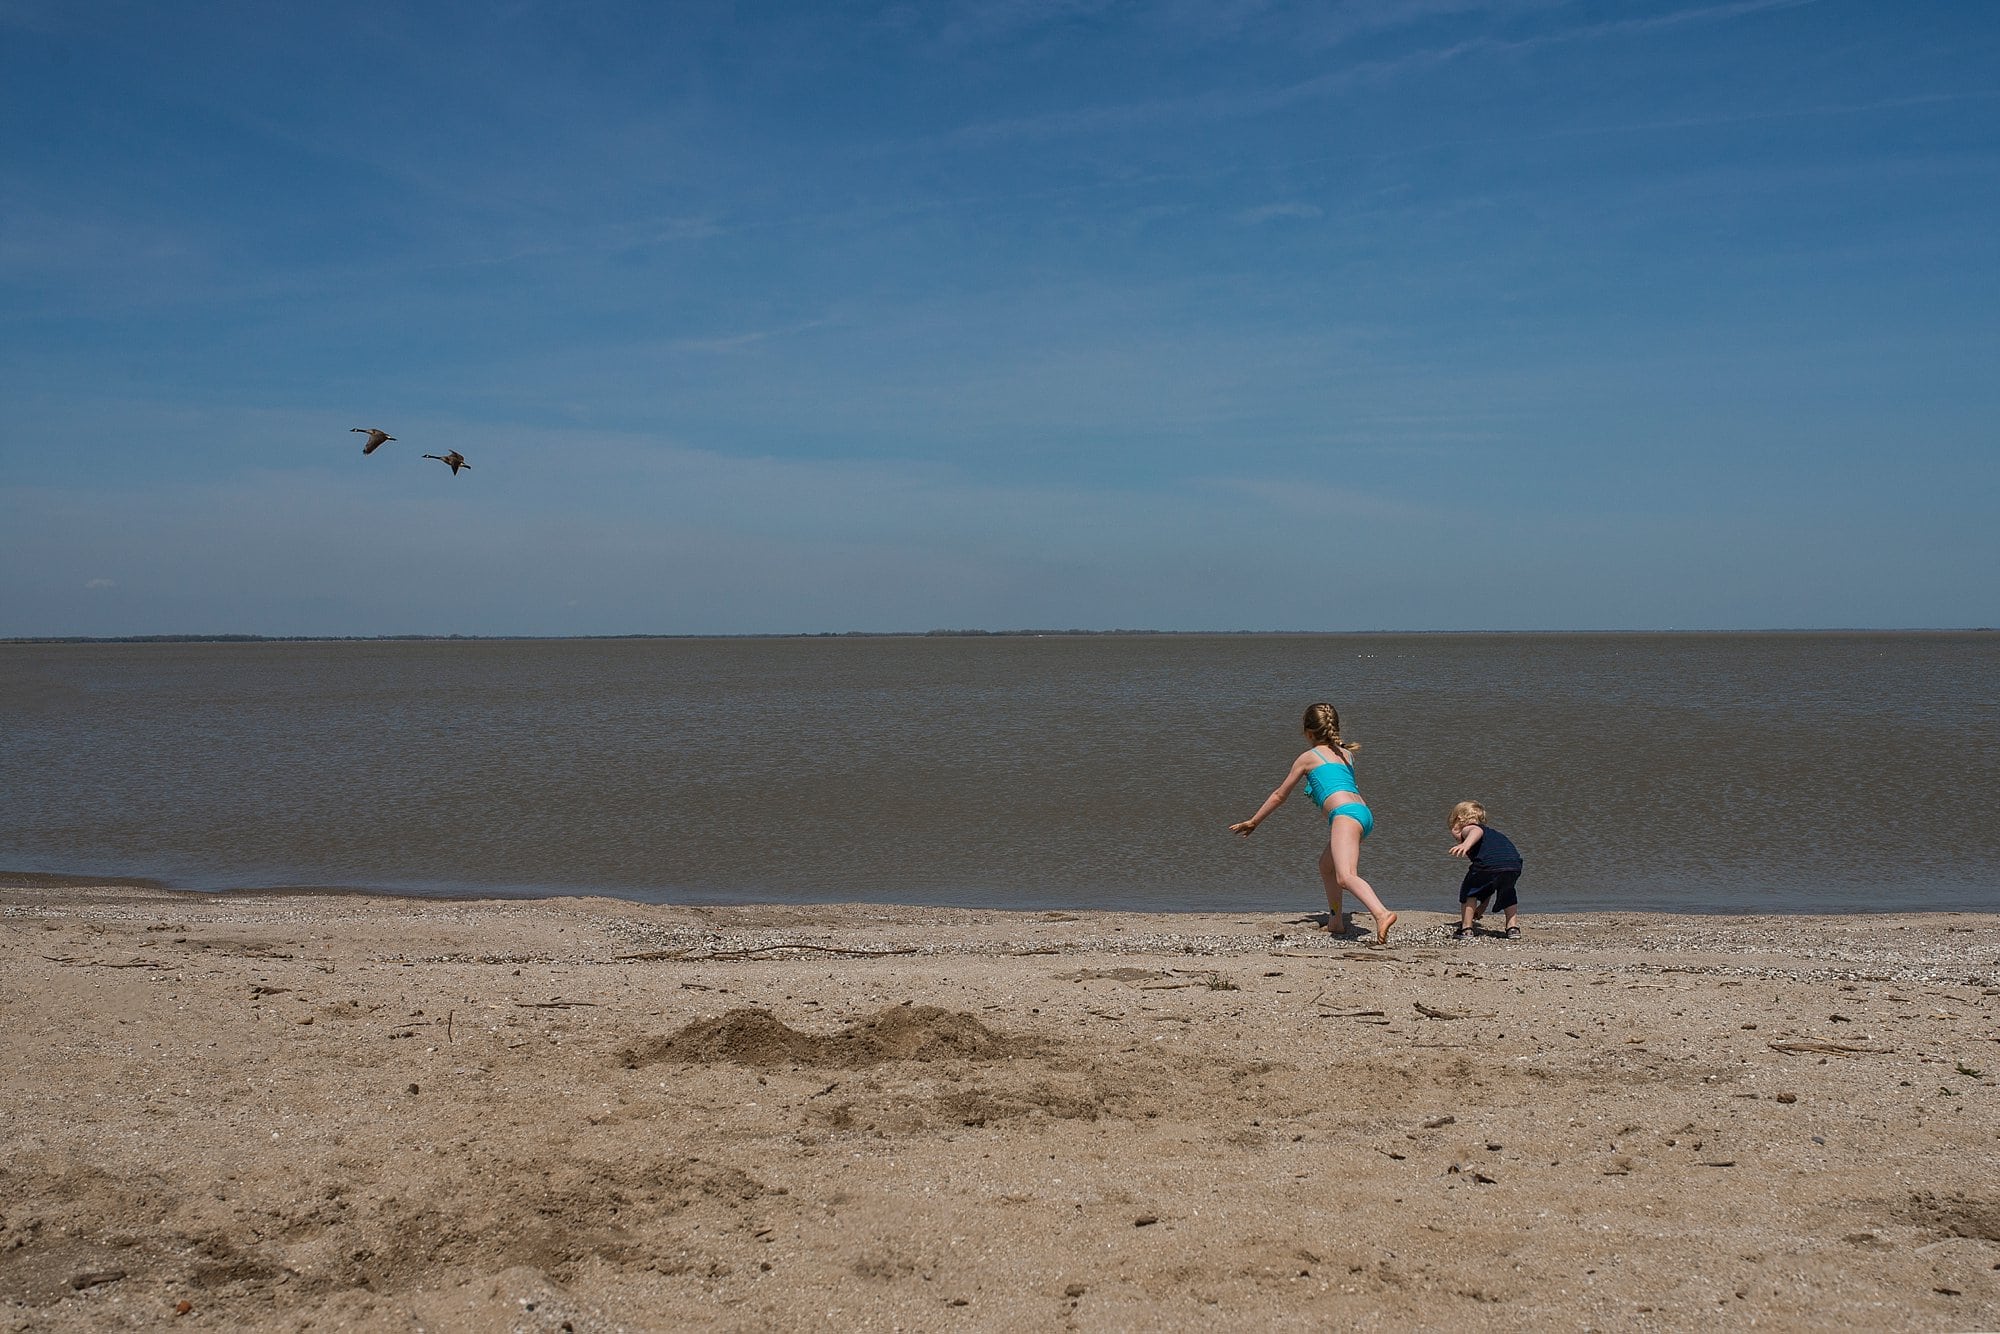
(310, 1111)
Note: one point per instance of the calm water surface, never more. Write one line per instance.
(1676, 772)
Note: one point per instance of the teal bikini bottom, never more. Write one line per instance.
(1356, 811)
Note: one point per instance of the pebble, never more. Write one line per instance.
(92, 1278)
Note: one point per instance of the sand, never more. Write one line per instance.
(310, 1111)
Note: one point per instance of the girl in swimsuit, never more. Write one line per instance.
(1327, 770)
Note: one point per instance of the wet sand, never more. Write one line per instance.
(293, 1111)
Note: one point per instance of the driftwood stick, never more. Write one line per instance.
(796, 945)
(100, 963)
(1368, 954)
(1331, 1013)
(551, 1004)
(1831, 1048)
(752, 953)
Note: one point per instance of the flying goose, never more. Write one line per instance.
(375, 437)
(453, 460)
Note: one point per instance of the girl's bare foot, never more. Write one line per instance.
(1337, 926)
(1382, 925)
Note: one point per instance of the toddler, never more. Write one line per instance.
(1496, 865)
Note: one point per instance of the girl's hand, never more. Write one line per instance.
(1461, 850)
(1244, 827)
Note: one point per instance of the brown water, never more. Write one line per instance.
(1675, 772)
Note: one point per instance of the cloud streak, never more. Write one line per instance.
(1215, 105)
(742, 342)
(1274, 212)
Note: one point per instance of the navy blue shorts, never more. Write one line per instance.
(1497, 881)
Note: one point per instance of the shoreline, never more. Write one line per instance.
(291, 1108)
(1134, 633)
(638, 898)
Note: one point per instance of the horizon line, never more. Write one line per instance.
(240, 638)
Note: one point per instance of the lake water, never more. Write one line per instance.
(1774, 772)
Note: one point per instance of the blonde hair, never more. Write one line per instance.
(1467, 812)
(1322, 724)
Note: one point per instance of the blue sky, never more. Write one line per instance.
(1205, 314)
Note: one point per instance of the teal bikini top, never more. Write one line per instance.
(1323, 780)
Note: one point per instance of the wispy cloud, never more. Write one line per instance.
(984, 22)
(743, 341)
(100, 583)
(1274, 212)
(46, 239)
(1812, 111)
(1295, 500)
(1331, 25)
(29, 16)
(697, 540)
(1225, 104)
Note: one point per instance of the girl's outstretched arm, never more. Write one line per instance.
(1276, 799)
(1468, 839)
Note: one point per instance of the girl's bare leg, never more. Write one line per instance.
(1336, 912)
(1343, 846)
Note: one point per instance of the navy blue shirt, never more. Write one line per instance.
(1495, 852)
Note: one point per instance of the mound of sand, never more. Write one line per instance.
(751, 1035)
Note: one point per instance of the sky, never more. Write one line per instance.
(1193, 315)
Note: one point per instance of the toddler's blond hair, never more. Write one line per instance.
(1467, 812)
